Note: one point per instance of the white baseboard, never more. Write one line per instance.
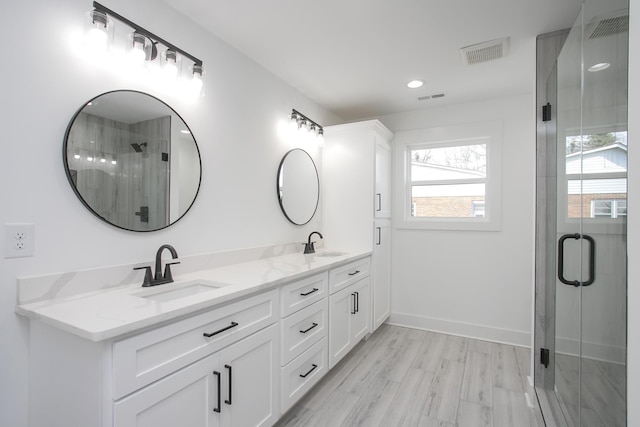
(600, 352)
(468, 330)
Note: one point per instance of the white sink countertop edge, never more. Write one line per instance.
(107, 314)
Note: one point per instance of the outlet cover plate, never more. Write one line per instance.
(19, 240)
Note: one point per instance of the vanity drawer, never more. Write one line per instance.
(303, 373)
(302, 329)
(342, 277)
(149, 356)
(302, 293)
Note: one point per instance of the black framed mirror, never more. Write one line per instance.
(132, 160)
(298, 186)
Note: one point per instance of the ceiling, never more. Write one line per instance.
(354, 57)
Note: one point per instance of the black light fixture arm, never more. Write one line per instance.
(302, 116)
(97, 6)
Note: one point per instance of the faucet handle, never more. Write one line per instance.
(167, 270)
(147, 275)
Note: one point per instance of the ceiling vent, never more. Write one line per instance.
(484, 52)
(434, 96)
(609, 26)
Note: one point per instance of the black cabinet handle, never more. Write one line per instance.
(307, 330)
(357, 301)
(379, 202)
(232, 325)
(228, 401)
(354, 273)
(592, 259)
(354, 303)
(311, 370)
(379, 236)
(310, 292)
(217, 374)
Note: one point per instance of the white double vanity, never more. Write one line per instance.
(235, 340)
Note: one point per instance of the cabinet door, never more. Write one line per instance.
(341, 307)
(186, 398)
(383, 181)
(381, 274)
(250, 380)
(361, 318)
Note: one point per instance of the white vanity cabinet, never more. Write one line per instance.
(356, 163)
(350, 319)
(216, 368)
(234, 387)
(304, 328)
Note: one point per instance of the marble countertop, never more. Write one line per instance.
(110, 313)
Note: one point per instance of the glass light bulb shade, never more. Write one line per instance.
(137, 48)
(98, 31)
(197, 82)
(169, 60)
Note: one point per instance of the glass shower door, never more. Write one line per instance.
(586, 379)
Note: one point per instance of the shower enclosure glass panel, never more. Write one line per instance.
(585, 309)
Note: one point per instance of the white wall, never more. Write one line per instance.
(633, 227)
(45, 82)
(473, 283)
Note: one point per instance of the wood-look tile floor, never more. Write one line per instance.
(410, 377)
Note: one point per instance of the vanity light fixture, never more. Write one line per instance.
(305, 124)
(143, 47)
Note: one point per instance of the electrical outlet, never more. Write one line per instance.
(19, 240)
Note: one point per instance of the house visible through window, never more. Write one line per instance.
(596, 172)
(448, 181)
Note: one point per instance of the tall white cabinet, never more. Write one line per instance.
(356, 174)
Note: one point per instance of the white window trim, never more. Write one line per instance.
(489, 133)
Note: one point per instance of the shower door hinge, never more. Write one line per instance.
(544, 357)
(546, 112)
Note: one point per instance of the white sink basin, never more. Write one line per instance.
(174, 291)
(330, 254)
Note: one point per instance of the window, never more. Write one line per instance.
(451, 177)
(596, 176)
(608, 208)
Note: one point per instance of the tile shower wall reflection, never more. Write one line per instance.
(122, 169)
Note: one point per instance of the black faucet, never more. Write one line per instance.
(159, 277)
(308, 247)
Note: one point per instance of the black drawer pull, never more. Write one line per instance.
(311, 370)
(354, 273)
(310, 292)
(217, 374)
(232, 325)
(228, 401)
(307, 330)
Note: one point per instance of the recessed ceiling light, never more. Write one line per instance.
(599, 67)
(185, 131)
(414, 84)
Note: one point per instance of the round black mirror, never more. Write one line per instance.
(298, 186)
(132, 160)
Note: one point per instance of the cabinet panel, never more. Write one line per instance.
(341, 304)
(302, 329)
(250, 380)
(349, 319)
(383, 181)
(341, 277)
(381, 274)
(302, 373)
(186, 398)
(302, 293)
(147, 357)
(361, 319)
